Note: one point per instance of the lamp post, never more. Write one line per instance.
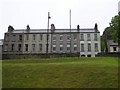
(119, 25)
(70, 32)
(47, 33)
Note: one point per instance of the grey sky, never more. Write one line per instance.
(86, 13)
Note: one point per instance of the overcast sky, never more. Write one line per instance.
(86, 13)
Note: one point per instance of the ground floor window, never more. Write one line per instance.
(26, 47)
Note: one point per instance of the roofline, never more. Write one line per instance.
(51, 33)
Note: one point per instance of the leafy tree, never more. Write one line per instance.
(111, 32)
(114, 28)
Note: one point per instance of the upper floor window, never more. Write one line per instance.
(7, 38)
(34, 37)
(88, 37)
(95, 37)
(82, 37)
(68, 37)
(54, 37)
(89, 47)
(20, 37)
(61, 37)
(27, 37)
(41, 37)
(75, 36)
(13, 37)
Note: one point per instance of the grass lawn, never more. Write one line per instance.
(100, 72)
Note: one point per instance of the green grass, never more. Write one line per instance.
(76, 72)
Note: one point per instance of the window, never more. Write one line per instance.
(13, 37)
(114, 49)
(33, 47)
(40, 47)
(61, 47)
(19, 47)
(89, 47)
(82, 37)
(54, 37)
(95, 37)
(20, 37)
(68, 46)
(41, 37)
(12, 49)
(75, 36)
(34, 36)
(6, 47)
(75, 48)
(7, 38)
(26, 47)
(54, 47)
(61, 37)
(96, 47)
(68, 37)
(61, 43)
(82, 47)
(88, 37)
(27, 37)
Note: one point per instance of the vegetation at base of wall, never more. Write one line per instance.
(72, 72)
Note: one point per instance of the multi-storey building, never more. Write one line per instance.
(86, 42)
(1, 46)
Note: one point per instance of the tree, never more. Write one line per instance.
(114, 28)
(111, 32)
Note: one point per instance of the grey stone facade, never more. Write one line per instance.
(86, 42)
(1, 47)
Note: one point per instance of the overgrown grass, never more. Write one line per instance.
(61, 73)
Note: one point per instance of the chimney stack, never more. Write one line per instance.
(96, 27)
(10, 28)
(28, 28)
(52, 27)
(78, 28)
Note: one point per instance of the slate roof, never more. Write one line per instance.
(112, 43)
(56, 30)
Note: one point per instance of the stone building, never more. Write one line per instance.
(86, 42)
(1, 47)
